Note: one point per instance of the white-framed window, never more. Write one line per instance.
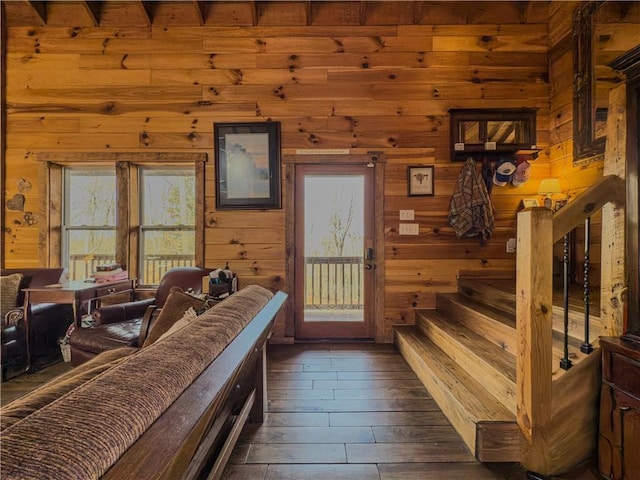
(144, 216)
(167, 220)
(89, 219)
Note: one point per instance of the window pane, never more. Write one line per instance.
(89, 201)
(162, 250)
(90, 197)
(168, 196)
(167, 199)
(88, 248)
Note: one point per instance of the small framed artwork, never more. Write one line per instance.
(530, 202)
(247, 157)
(420, 181)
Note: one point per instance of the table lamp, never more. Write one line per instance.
(548, 187)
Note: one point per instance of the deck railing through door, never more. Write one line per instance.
(333, 282)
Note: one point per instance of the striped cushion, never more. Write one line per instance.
(83, 433)
(24, 406)
(9, 290)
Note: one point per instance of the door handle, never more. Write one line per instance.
(368, 256)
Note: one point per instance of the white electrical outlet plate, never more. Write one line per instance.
(406, 214)
(409, 229)
(511, 245)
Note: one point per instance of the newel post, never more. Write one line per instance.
(534, 323)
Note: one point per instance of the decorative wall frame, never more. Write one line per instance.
(247, 162)
(420, 181)
(530, 202)
(586, 147)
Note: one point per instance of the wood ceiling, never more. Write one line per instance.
(21, 13)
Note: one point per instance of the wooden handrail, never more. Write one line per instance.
(538, 230)
(610, 188)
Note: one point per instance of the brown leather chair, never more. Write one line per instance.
(121, 325)
(48, 323)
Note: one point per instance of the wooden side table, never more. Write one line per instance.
(76, 294)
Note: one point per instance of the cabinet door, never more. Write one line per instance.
(619, 435)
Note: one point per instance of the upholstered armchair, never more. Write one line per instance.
(126, 324)
(48, 322)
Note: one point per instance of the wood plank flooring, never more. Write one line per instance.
(343, 411)
(352, 412)
(22, 384)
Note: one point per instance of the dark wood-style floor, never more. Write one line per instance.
(343, 411)
(355, 412)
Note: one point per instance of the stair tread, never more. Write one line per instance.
(485, 350)
(507, 319)
(487, 310)
(499, 354)
(506, 288)
(498, 294)
(476, 400)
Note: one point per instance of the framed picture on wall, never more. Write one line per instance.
(420, 181)
(247, 158)
(530, 202)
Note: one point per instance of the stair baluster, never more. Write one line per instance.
(586, 346)
(565, 362)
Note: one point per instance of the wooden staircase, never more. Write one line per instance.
(464, 352)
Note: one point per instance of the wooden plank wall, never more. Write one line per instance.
(617, 30)
(366, 87)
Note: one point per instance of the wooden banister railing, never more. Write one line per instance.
(538, 230)
(609, 189)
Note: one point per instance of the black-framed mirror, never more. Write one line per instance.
(602, 30)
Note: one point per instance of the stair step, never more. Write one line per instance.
(499, 294)
(499, 328)
(491, 323)
(478, 356)
(464, 352)
(468, 405)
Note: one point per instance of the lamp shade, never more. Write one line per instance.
(549, 186)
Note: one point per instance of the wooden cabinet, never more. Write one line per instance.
(619, 438)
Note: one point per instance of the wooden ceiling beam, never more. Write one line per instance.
(363, 12)
(200, 13)
(308, 12)
(148, 8)
(417, 13)
(40, 9)
(254, 12)
(93, 10)
(522, 7)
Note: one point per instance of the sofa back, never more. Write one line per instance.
(83, 433)
(35, 278)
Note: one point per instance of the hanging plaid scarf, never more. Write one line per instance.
(470, 211)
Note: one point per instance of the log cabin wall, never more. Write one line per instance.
(363, 76)
(615, 30)
(573, 179)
